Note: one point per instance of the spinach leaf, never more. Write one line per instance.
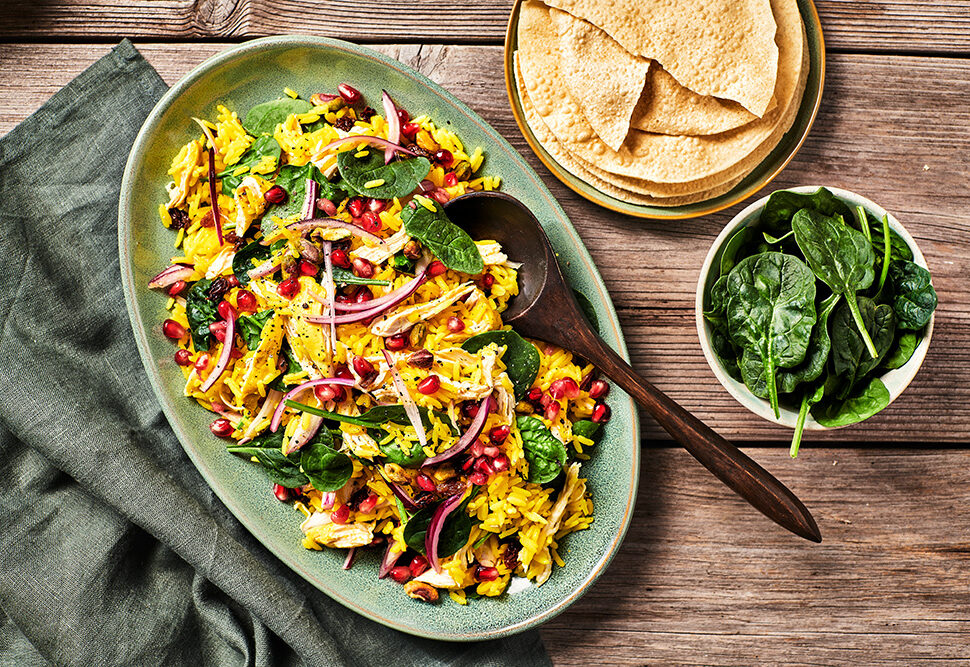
(883, 332)
(263, 118)
(347, 277)
(587, 429)
(902, 350)
(260, 148)
(446, 240)
(810, 397)
(849, 359)
(521, 357)
(400, 177)
(373, 418)
(293, 179)
(242, 261)
(589, 312)
(914, 298)
(724, 348)
(775, 240)
(267, 450)
(781, 207)
(290, 365)
(393, 452)
(770, 310)
(840, 256)
(200, 312)
(858, 407)
(250, 327)
(326, 468)
(544, 452)
(898, 248)
(454, 533)
(732, 248)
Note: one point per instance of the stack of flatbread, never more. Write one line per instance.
(660, 102)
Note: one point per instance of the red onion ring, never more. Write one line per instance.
(171, 275)
(363, 139)
(403, 496)
(419, 279)
(466, 440)
(400, 294)
(311, 197)
(437, 523)
(264, 269)
(278, 414)
(214, 194)
(332, 223)
(389, 561)
(224, 355)
(351, 554)
(393, 124)
(331, 288)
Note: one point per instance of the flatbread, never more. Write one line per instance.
(652, 157)
(721, 48)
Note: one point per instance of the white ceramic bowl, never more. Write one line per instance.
(895, 380)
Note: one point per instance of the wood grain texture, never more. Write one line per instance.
(703, 580)
(893, 129)
(885, 26)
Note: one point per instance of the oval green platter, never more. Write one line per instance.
(258, 71)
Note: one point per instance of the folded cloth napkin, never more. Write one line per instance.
(113, 550)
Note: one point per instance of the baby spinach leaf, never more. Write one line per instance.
(347, 277)
(521, 357)
(454, 533)
(589, 312)
(544, 452)
(266, 449)
(263, 118)
(200, 313)
(393, 452)
(729, 256)
(290, 365)
(400, 177)
(724, 348)
(446, 240)
(260, 148)
(770, 310)
(250, 327)
(840, 256)
(902, 350)
(812, 395)
(293, 179)
(883, 332)
(242, 261)
(326, 468)
(775, 240)
(781, 207)
(850, 361)
(587, 429)
(858, 407)
(376, 417)
(914, 298)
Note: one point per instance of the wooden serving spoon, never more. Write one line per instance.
(546, 309)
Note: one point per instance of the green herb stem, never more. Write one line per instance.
(863, 220)
(771, 381)
(327, 415)
(886, 252)
(853, 304)
(796, 440)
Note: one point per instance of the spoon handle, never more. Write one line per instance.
(729, 464)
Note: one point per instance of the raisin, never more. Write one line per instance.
(422, 152)
(180, 219)
(511, 555)
(450, 487)
(344, 123)
(359, 496)
(366, 114)
(218, 289)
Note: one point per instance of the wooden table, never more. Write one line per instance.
(701, 578)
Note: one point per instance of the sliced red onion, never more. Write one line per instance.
(331, 288)
(363, 139)
(172, 274)
(273, 398)
(390, 559)
(351, 554)
(409, 287)
(264, 269)
(403, 495)
(311, 198)
(400, 294)
(278, 415)
(222, 410)
(466, 440)
(327, 500)
(303, 435)
(410, 407)
(434, 528)
(224, 356)
(393, 125)
(214, 194)
(333, 223)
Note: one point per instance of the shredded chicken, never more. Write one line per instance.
(438, 579)
(379, 254)
(404, 318)
(321, 529)
(492, 254)
(572, 489)
(221, 263)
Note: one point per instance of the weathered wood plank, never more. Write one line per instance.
(885, 26)
(907, 151)
(703, 580)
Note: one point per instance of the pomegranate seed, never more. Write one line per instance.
(327, 206)
(401, 574)
(308, 268)
(363, 294)
(343, 298)
(329, 392)
(500, 463)
(218, 329)
(355, 206)
(598, 389)
(587, 380)
(552, 410)
(368, 504)
(349, 94)
(403, 116)
(491, 451)
(451, 180)
(470, 410)
(486, 573)
(396, 342)
(222, 427)
(176, 288)
(363, 268)
(455, 325)
(376, 205)
(410, 130)
(545, 400)
(288, 288)
(487, 281)
(282, 493)
(172, 329)
(275, 195)
(440, 195)
(232, 281)
(236, 353)
(601, 413)
(564, 388)
(535, 394)
(341, 371)
(478, 479)
(339, 258)
(202, 362)
(483, 466)
(499, 434)
(226, 311)
(183, 358)
(364, 368)
(444, 157)
(246, 301)
(436, 268)
(429, 385)
(370, 222)
(477, 449)
(341, 514)
(425, 483)
(418, 566)
(467, 464)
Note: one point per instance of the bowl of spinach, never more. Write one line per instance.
(815, 308)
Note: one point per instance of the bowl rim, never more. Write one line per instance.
(644, 211)
(898, 378)
(611, 547)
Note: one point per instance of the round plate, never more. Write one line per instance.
(258, 71)
(763, 174)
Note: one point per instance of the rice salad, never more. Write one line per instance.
(349, 338)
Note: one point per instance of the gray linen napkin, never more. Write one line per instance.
(113, 550)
